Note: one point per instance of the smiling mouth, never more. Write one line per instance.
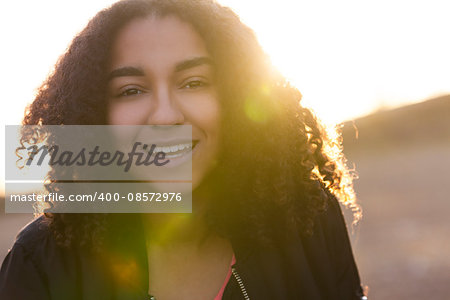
(177, 149)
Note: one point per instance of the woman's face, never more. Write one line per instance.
(162, 74)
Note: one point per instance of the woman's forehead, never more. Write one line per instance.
(155, 39)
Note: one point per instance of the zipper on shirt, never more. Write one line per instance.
(241, 283)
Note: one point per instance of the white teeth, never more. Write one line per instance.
(173, 148)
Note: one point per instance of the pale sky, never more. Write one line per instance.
(347, 57)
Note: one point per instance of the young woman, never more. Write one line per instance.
(266, 223)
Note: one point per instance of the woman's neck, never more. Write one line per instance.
(175, 229)
(168, 230)
(183, 253)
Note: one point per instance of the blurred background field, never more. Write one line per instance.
(402, 156)
(402, 244)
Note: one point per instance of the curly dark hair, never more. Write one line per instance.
(282, 166)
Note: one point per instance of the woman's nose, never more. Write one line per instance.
(166, 109)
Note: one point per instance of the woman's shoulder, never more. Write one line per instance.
(35, 238)
(331, 238)
(318, 265)
(332, 218)
(32, 245)
(24, 264)
(330, 233)
(34, 233)
(37, 267)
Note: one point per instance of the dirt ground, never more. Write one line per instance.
(402, 244)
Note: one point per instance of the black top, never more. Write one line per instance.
(320, 266)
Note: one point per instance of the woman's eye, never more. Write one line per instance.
(195, 84)
(130, 92)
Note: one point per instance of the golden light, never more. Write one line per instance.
(349, 58)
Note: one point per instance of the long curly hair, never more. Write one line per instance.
(277, 167)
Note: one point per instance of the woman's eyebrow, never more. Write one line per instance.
(181, 66)
(126, 71)
(193, 62)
